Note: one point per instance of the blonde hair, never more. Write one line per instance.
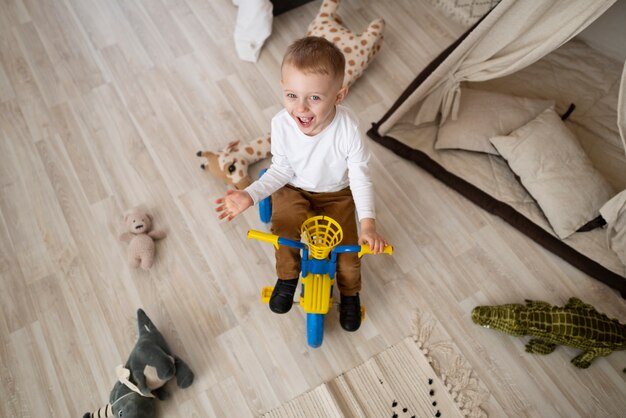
(317, 55)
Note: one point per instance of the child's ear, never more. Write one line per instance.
(341, 94)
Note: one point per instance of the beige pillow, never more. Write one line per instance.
(555, 170)
(614, 213)
(485, 114)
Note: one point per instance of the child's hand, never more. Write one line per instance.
(233, 203)
(369, 236)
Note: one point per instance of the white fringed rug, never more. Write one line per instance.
(417, 377)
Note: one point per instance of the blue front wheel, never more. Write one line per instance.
(314, 329)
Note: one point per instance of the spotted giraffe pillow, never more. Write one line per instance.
(359, 49)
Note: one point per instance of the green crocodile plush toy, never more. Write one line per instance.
(576, 324)
(150, 365)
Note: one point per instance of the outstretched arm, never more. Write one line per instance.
(233, 203)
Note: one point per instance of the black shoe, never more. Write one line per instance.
(350, 312)
(281, 300)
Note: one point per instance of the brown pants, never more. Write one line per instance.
(290, 208)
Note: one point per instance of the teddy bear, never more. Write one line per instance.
(141, 248)
(150, 365)
(231, 164)
(358, 48)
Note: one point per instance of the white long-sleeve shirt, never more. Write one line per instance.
(327, 162)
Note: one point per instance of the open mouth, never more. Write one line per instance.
(305, 122)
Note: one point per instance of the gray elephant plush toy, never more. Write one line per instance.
(150, 365)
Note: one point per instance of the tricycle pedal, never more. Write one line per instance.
(266, 293)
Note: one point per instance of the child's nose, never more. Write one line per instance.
(302, 107)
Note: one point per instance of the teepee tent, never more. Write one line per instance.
(514, 37)
(510, 37)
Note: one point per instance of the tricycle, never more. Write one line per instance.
(320, 249)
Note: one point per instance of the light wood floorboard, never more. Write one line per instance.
(103, 105)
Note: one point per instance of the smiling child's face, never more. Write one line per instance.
(310, 98)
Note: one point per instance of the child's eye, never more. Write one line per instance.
(291, 95)
(315, 98)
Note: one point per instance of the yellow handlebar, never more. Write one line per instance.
(264, 236)
(365, 249)
(273, 239)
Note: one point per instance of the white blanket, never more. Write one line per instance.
(253, 27)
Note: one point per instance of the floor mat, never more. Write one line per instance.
(421, 376)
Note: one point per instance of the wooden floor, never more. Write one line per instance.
(103, 105)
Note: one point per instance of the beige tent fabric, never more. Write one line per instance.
(512, 36)
(621, 108)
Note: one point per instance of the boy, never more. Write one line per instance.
(319, 163)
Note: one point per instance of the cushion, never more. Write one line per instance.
(556, 172)
(485, 114)
(614, 212)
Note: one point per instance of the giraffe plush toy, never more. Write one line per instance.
(358, 48)
(231, 164)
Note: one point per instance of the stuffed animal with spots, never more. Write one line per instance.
(358, 48)
(150, 365)
(141, 239)
(231, 164)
